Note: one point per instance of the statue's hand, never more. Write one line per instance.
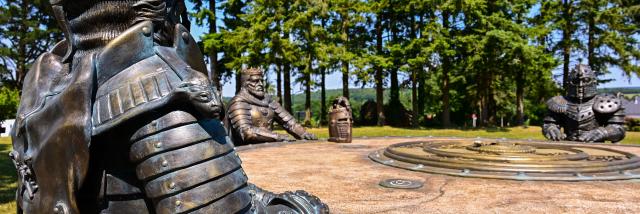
(309, 136)
(554, 134)
(596, 135)
(284, 137)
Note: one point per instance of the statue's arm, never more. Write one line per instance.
(289, 123)
(614, 130)
(556, 107)
(240, 116)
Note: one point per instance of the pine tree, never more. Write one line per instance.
(27, 29)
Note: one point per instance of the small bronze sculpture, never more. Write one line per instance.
(121, 118)
(340, 121)
(583, 114)
(252, 113)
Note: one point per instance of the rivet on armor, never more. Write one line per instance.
(172, 185)
(165, 163)
(185, 36)
(178, 203)
(158, 145)
(146, 31)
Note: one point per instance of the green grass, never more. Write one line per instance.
(8, 174)
(532, 132)
(7, 178)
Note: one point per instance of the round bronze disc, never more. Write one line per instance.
(509, 159)
(401, 183)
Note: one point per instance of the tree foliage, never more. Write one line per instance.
(432, 62)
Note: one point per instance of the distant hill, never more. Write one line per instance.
(624, 90)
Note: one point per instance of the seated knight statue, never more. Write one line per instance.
(252, 113)
(121, 117)
(584, 114)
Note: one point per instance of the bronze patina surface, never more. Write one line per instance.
(583, 114)
(340, 121)
(252, 113)
(121, 117)
(509, 159)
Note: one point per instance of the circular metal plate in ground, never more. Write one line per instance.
(401, 183)
(516, 160)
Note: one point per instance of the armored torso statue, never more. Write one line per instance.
(122, 118)
(583, 114)
(252, 113)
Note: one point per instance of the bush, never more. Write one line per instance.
(633, 125)
(9, 100)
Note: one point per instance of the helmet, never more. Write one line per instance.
(582, 83)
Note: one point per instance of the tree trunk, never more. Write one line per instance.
(566, 41)
(345, 79)
(421, 76)
(307, 82)
(414, 98)
(446, 117)
(345, 63)
(21, 62)
(591, 41)
(307, 97)
(238, 81)
(378, 75)
(287, 87)
(323, 97)
(520, 97)
(287, 80)
(414, 78)
(214, 74)
(279, 82)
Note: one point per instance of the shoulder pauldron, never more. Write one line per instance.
(557, 104)
(607, 104)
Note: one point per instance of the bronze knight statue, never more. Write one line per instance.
(252, 113)
(583, 114)
(120, 117)
(340, 121)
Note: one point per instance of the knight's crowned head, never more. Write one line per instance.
(582, 82)
(252, 81)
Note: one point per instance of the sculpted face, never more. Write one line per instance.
(254, 84)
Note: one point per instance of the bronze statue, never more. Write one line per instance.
(583, 114)
(252, 113)
(121, 118)
(340, 121)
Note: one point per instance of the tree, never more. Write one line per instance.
(27, 29)
(9, 100)
(209, 14)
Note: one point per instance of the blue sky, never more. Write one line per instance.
(334, 80)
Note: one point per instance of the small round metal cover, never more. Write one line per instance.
(398, 183)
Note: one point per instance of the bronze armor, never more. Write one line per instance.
(340, 121)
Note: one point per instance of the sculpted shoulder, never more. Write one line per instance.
(557, 104)
(607, 103)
